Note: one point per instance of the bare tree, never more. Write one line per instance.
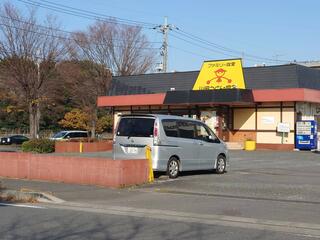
(123, 49)
(86, 81)
(28, 53)
(104, 49)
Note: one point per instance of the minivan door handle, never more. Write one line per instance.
(200, 143)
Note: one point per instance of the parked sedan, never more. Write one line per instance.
(16, 139)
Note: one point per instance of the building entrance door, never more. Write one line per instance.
(223, 123)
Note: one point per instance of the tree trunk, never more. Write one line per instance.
(93, 129)
(94, 123)
(37, 120)
(34, 119)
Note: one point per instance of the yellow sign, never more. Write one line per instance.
(223, 74)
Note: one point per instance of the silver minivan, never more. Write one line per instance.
(67, 135)
(177, 143)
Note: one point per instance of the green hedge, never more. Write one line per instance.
(38, 146)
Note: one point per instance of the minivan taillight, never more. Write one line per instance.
(155, 129)
(155, 133)
(115, 130)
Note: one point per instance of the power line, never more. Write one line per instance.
(223, 48)
(252, 59)
(186, 51)
(201, 46)
(67, 38)
(99, 14)
(58, 29)
(183, 34)
(87, 14)
(193, 37)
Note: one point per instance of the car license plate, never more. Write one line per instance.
(132, 150)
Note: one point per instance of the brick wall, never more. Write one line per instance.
(61, 147)
(279, 147)
(241, 136)
(91, 171)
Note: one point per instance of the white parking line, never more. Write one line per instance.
(21, 205)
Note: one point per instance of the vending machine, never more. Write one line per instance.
(306, 135)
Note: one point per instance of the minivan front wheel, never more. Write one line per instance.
(221, 164)
(173, 168)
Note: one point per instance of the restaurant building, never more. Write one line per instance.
(271, 95)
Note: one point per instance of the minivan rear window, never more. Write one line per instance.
(170, 127)
(136, 127)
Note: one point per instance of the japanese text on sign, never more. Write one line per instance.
(225, 74)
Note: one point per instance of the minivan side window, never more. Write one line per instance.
(81, 135)
(67, 136)
(73, 135)
(204, 133)
(136, 127)
(170, 127)
(187, 129)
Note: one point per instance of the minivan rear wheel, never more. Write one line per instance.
(221, 164)
(173, 168)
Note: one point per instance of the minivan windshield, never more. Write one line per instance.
(60, 134)
(136, 127)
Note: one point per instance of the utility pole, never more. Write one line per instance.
(164, 29)
(37, 121)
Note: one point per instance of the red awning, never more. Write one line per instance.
(259, 95)
(286, 95)
(131, 100)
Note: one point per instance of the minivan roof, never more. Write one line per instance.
(160, 116)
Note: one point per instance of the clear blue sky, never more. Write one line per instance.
(285, 30)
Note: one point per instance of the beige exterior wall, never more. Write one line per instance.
(268, 118)
(244, 119)
(267, 121)
(275, 138)
(288, 117)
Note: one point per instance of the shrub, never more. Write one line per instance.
(104, 123)
(38, 146)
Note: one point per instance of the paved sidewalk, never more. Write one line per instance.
(65, 191)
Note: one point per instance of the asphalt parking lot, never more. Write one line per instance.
(272, 189)
(259, 174)
(10, 148)
(285, 176)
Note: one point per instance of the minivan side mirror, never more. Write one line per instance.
(213, 139)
